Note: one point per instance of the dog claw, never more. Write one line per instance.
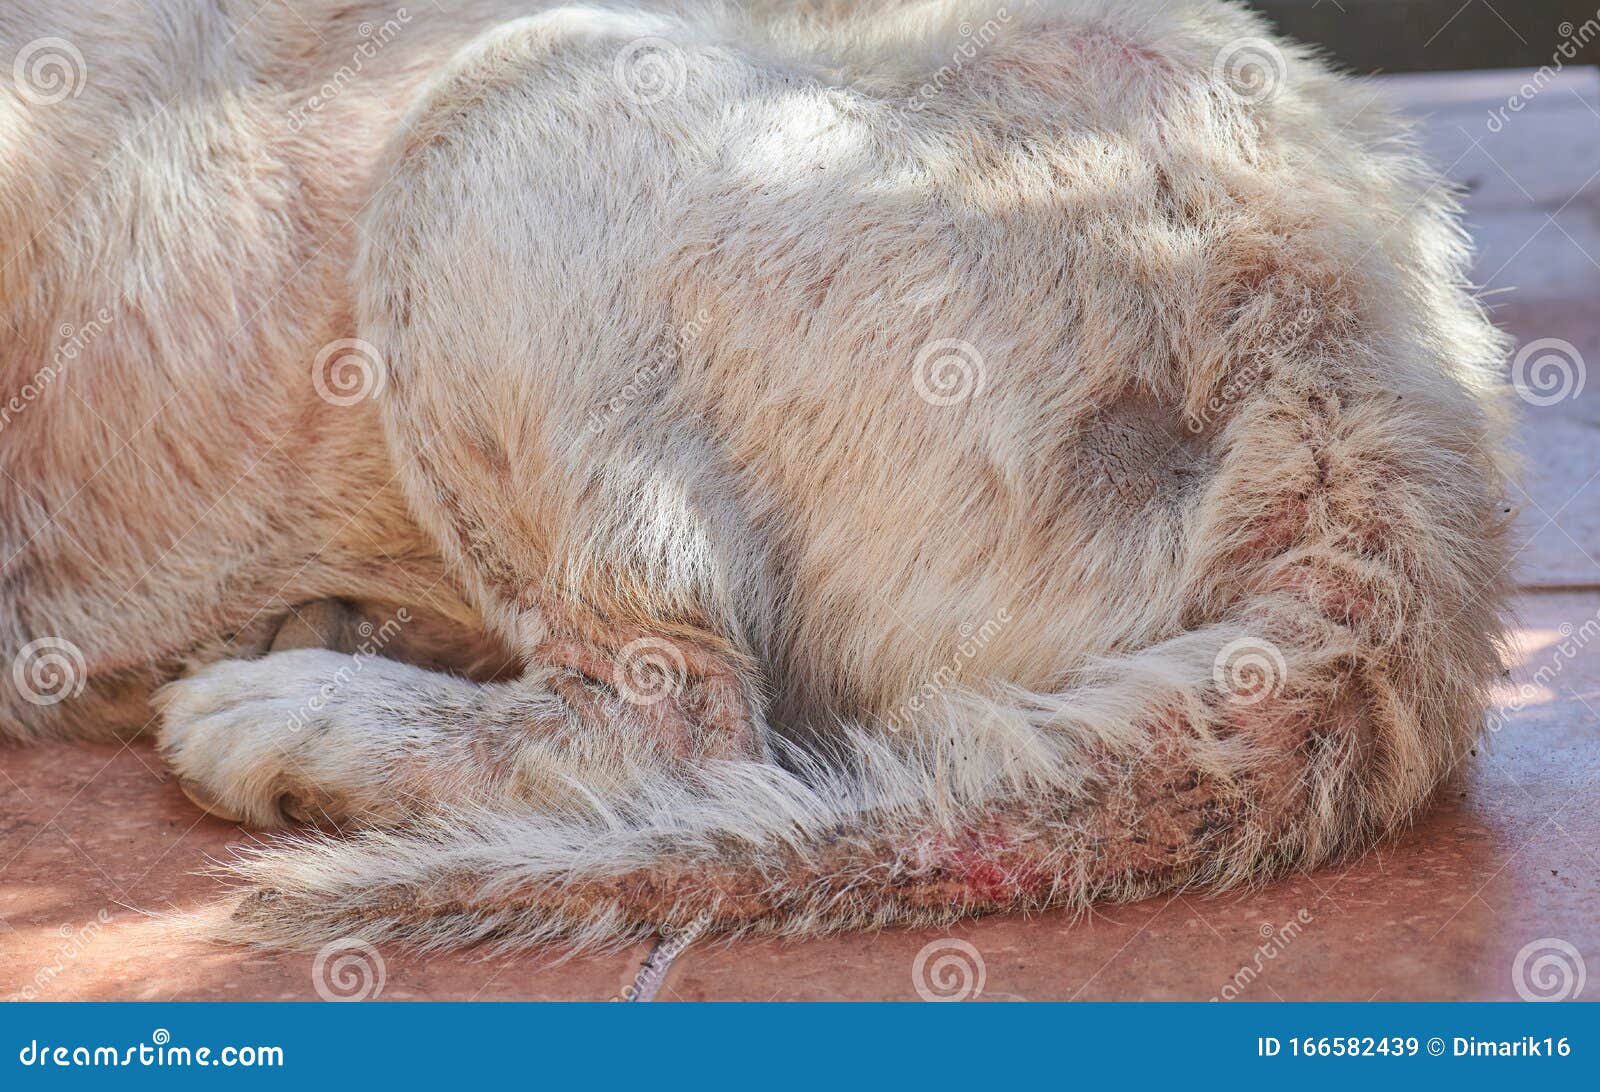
(203, 800)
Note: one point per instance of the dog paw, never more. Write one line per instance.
(268, 742)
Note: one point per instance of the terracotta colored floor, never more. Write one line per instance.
(93, 839)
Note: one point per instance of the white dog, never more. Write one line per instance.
(789, 467)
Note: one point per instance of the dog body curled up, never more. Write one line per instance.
(793, 467)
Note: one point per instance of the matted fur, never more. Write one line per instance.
(1196, 581)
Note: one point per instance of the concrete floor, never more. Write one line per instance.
(93, 839)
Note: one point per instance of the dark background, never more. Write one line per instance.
(1432, 35)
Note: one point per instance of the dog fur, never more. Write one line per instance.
(911, 459)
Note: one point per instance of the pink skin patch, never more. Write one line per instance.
(987, 866)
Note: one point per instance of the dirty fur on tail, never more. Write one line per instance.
(1024, 801)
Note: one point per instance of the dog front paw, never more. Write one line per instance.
(258, 742)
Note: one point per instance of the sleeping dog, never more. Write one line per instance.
(780, 467)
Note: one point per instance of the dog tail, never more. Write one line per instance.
(1219, 757)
